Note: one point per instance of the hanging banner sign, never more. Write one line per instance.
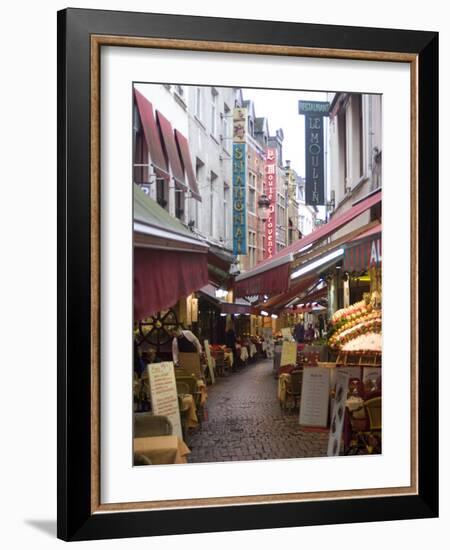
(270, 174)
(239, 199)
(314, 112)
(239, 181)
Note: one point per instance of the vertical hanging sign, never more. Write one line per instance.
(270, 173)
(239, 181)
(314, 112)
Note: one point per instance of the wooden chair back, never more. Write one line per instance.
(190, 362)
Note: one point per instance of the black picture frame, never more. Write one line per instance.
(76, 518)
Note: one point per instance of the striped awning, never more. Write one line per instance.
(365, 252)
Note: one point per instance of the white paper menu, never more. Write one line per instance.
(163, 390)
(315, 397)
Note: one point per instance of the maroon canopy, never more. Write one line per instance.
(162, 277)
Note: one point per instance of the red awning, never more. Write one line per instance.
(269, 277)
(172, 151)
(162, 277)
(183, 148)
(272, 281)
(152, 136)
(282, 299)
(233, 308)
(364, 251)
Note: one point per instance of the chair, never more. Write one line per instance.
(183, 387)
(190, 362)
(149, 425)
(222, 365)
(294, 388)
(140, 460)
(191, 383)
(366, 432)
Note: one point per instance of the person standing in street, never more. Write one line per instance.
(309, 334)
(299, 333)
(321, 326)
(230, 342)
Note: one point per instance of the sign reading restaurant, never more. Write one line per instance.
(270, 171)
(239, 181)
(314, 112)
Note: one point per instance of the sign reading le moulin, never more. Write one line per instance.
(239, 181)
(314, 112)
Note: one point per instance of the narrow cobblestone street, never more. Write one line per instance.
(244, 422)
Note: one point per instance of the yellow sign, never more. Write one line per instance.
(239, 125)
(288, 353)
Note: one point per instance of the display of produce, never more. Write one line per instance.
(357, 327)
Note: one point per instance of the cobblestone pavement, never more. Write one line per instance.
(244, 422)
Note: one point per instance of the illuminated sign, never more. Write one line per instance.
(314, 112)
(239, 125)
(239, 199)
(270, 174)
(239, 181)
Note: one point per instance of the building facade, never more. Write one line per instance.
(355, 150)
(204, 116)
(355, 145)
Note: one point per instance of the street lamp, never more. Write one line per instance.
(263, 207)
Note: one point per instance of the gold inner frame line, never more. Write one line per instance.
(97, 41)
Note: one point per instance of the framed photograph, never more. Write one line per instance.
(247, 256)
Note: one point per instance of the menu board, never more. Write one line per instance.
(315, 397)
(288, 353)
(286, 333)
(163, 390)
(337, 418)
(209, 360)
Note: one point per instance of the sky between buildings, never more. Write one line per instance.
(280, 107)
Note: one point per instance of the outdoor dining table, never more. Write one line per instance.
(243, 352)
(162, 449)
(283, 382)
(189, 405)
(227, 354)
(201, 387)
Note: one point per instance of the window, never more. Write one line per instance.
(226, 141)
(252, 248)
(213, 112)
(250, 126)
(198, 103)
(161, 193)
(213, 178)
(140, 156)
(251, 196)
(200, 177)
(179, 204)
(302, 225)
(342, 145)
(251, 200)
(361, 135)
(226, 202)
